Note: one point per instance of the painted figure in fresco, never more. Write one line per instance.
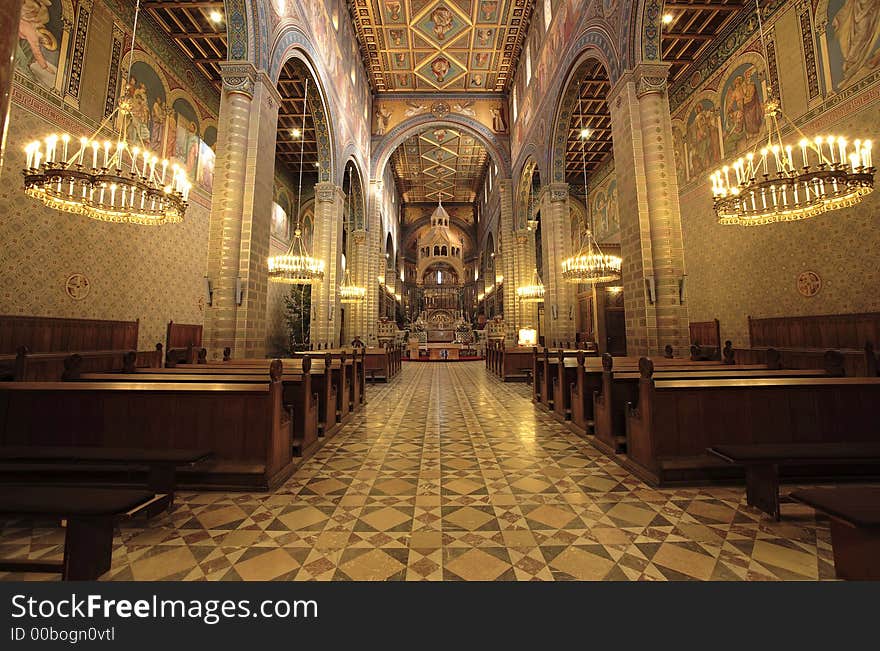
(481, 60)
(613, 218)
(157, 126)
(477, 80)
(440, 68)
(396, 37)
(704, 148)
(139, 131)
(442, 19)
(400, 59)
(857, 26)
(484, 37)
(383, 115)
(743, 110)
(600, 209)
(499, 125)
(488, 9)
(680, 159)
(33, 29)
(392, 8)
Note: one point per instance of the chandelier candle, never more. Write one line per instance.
(830, 174)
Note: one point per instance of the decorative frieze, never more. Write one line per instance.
(113, 73)
(807, 36)
(81, 29)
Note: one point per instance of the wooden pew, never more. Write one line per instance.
(617, 388)
(763, 461)
(245, 424)
(705, 340)
(302, 391)
(855, 527)
(52, 367)
(514, 364)
(183, 344)
(41, 334)
(378, 364)
(675, 421)
(89, 514)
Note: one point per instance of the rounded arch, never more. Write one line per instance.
(527, 191)
(568, 98)
(389, 250)
(498, 148)
(352, 153)
(242, 31)
(640, 31)
(291, 44)
(353, 184)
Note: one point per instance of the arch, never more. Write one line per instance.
(389, 250)
(567, 103)
(291, 43)
(498, 148)
(356, 189)
(241, 35)
(351, 153)
(640, 32)
(527, 193)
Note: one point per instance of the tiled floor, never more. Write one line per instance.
(448, 474)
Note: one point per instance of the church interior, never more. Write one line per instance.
(439, 290)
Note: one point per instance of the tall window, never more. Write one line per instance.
(528, 65)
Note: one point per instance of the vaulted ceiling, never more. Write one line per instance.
(439, 164)
(441, 45)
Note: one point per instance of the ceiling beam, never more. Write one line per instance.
(689, 37)
(197, 35)
(672, 5)
(181, 4)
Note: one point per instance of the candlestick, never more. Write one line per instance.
(866, 156)
(803, 145)
(764, 159)
(82, 147)
(841, 150)
(65, 139)
(106, 154)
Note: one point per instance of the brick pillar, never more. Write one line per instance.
(508, 267)
(241, 212)
(326, 245)
(559, 296)
(373, 262)
(650, 217)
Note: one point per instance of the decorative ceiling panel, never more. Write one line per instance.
(441, 45)
(439, 164)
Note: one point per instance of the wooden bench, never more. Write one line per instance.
(55, 366)
(675, 421)
(854, 512)
(762, 464)
(161, 464)
(90, 514)
(619, 388)
(245, 424)
(299, 395)
(378, 364)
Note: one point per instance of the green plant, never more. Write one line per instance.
(297, 316)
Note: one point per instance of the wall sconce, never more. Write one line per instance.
(682, 289)
(330, 312)
(209, 291)
(554, 311)
(652, 290)
(571, 312)
(239, 291)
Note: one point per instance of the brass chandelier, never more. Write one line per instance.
(533, 292)
(786, 183)
(348, 291)
(107, 179)
(297, 266)
(589, 265)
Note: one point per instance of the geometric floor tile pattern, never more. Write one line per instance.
(449, 474)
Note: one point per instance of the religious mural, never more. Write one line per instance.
(742, 108)
(279, 221)
(678, 144)
(40, 40)
(169, 131)
(853, 36)
(604, 209)
(703, 146)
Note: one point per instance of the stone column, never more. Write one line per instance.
(559, 296)
(650, 217)
(374, 261)
(526, 260)
(508, 267)
(241, 212)
(329, 207)
(10, 14)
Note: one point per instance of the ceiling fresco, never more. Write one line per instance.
(439, 164)
(441, 45)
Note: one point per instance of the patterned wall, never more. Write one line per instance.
(736, 272)
(154, 274)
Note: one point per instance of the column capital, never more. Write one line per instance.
(238, 77)
(555, 192)
(326, 192)
(359, 236)
(646, 77)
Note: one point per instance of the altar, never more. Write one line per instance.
(443, 351)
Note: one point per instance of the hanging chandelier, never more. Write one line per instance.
(297, 266)
(589, 265)
(533, 292)
(108, 179)
(348, 291)
(783, 183)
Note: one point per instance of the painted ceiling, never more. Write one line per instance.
(439, 164)
(441, 45)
